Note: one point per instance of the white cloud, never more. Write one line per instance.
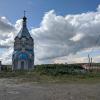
(6, 56)
(59, 38)
(98, 8)
(7, 32)
(18, 25)
(77, 37)
(71, 59)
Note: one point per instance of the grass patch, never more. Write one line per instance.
(54, 74)
(34, 76)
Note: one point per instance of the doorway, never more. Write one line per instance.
(22, 65)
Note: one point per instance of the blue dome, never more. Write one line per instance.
(23, 56)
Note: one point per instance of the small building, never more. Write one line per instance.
(23, 54)
(92, 67)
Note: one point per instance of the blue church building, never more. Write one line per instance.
(23, 54)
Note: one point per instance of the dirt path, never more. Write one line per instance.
(9, 90)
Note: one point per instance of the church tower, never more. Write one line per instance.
(23, 54)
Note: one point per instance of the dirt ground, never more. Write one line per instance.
(9, 90)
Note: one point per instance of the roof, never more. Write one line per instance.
(24, 31)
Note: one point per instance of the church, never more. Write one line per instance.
(23, 54)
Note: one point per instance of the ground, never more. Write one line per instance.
(11, 89)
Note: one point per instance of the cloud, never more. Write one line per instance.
(6, 56)
(98, 8)
(60, 36)
(5, 25)
(71, 59)
(58, 39)
(7, 33)
(18, 25)
(77, 37)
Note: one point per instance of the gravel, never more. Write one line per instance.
(10, 90)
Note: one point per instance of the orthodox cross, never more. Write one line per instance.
(24, 12)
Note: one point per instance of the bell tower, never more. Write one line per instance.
(23, 54)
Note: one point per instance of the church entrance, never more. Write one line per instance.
(22, 65)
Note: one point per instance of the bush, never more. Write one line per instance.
(59, 69)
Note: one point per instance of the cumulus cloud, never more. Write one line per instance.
(98, 8)
(5, 25)
(18, 25)
(6, 56)
(7, 32)
(59, 38)
(71, 59)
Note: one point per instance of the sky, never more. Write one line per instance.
(13, 9)
(67, 29)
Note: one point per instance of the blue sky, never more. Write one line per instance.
(13, 9)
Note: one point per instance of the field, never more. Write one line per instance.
(10, 90)
(55, 74)
(49, 84)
